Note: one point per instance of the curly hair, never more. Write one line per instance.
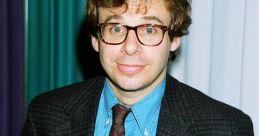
(180, 11)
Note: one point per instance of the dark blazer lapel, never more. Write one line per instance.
(176, 112)
(83, 112)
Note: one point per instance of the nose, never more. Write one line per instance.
(131, 45)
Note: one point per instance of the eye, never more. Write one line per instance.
(149, 30)
(117, 29)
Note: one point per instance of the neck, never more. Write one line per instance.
(131, 97)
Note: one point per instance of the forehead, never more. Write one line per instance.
(137, 9)
(138, 6)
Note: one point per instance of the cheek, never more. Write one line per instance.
(107, 54)
(161, 58)
(161, 54)
(158, 58)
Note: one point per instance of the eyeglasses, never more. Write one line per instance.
(147, 34)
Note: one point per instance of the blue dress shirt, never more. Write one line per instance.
(143, 119)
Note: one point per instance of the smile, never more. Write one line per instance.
(130, 69)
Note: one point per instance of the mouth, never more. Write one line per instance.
(130, 69)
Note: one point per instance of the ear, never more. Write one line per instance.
(175, 43)
(95, 43)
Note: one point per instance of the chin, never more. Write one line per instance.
(132, 84)
(131, 88)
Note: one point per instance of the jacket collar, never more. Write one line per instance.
(82, 111)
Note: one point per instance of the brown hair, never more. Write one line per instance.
(180, 14)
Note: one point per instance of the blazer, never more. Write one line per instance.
(184, 111)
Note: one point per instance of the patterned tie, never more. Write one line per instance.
(119, 113)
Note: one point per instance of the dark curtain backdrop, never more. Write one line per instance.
(11, 67)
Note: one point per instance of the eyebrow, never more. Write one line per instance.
(115, 16)
(153, 18)
(118, 17)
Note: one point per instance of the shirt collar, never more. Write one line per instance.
(145, 111)
(109, 97)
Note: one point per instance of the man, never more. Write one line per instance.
(134, 39)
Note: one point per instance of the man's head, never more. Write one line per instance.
(179, 10)
(134, 39)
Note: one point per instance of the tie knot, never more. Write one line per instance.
(119, 113)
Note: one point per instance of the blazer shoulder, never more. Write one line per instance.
(200, 102)
(206, 105)
(54, 109)
(212, 113)
(69, 93)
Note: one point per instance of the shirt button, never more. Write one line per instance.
(107, 121)
(146, 132)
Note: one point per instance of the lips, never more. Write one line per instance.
(130, 69)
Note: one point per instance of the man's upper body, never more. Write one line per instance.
(184, 111)
(134, 39)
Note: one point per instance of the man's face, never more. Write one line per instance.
(130, 65)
